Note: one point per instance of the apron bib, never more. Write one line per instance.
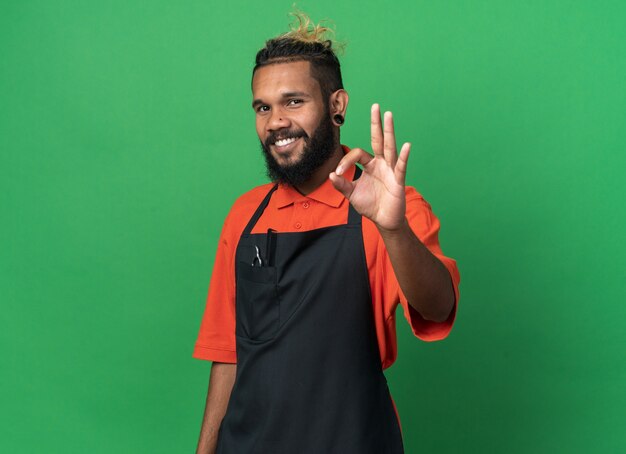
(309, 376)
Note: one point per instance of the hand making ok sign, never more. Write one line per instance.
(378, 194)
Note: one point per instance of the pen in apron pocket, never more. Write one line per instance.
(270, 247)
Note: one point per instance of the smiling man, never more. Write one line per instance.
(298, 145)
(300, 316)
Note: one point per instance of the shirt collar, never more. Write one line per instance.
(326, 193)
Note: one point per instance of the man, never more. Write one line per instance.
(299, 321)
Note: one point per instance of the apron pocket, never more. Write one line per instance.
(257, 306)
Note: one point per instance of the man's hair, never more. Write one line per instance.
(305, 42)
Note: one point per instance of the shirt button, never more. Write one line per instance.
(297, 225)
(305, 205)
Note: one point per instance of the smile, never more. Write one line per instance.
(284, 144)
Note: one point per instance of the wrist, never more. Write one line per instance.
(401, 230)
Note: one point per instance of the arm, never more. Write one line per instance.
(220, 385)
(424, 280)
(379, 194)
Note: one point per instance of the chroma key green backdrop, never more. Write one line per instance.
(126, 133)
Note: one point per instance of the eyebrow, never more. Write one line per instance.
(287, 94)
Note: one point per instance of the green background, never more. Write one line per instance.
(126, 133)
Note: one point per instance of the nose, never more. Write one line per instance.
(277, 120)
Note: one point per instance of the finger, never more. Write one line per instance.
(377, 131)
(389, 138)
(401, 165)
(342, 185)
(356, 155)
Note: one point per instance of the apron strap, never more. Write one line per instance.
(259, 211)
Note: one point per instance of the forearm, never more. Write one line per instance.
(424, 280)
(220, 386)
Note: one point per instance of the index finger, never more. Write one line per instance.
(356, 155)
(377, 132)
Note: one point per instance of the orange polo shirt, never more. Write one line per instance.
(290, 211)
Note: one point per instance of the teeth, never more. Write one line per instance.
(283, 142)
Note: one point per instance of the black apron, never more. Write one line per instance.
(309, 375)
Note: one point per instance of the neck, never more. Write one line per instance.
(321, 174)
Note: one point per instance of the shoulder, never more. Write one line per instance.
(243, 208)
(412, 195)
(419, 213)
(415, 202)
(249, 201)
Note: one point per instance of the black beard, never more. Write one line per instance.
(317, 150)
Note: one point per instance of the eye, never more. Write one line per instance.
(262, 108)
(294, 102)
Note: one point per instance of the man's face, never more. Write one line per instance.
(292, 121)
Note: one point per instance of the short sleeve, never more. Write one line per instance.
(426, 226)
(216, 339)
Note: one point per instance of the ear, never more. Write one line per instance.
(338, 104)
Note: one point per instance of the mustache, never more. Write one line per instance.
(281, 135)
